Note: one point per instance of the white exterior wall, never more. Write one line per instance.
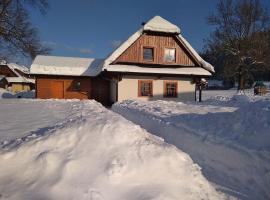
(128, 88)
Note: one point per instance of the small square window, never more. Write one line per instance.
(77, 86)
(170, 89)
(148, 53)
(145, 88)
(169, 55)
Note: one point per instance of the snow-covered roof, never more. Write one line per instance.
(159, 24)
(3, 62)
(19, 80)
(18, 67)
(115, 54)
(204, 64)
(56, 65)
(137, 69)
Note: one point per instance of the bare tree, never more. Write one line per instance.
(242, 28)
(17, 34)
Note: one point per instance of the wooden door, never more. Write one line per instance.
(57, 90)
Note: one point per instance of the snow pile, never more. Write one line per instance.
(230, 140)
(247, 125)
(5, 94)
(232, 97)
(96, 154)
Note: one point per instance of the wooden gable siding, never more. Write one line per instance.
(5, 71)
(61, 87)
(134, 54)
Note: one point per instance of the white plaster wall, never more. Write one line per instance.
(128, 88)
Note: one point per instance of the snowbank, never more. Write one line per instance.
(96, 154)
(4, 94)
(230, 143)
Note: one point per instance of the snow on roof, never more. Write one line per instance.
(18, 67)
(56, 65)
(138, 69)
(159, 24)
(116, 53)
(3, 62)
(19, 80)
(204, 64)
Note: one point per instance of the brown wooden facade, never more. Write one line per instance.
(63, 87)
(6, 71)
(134, 54)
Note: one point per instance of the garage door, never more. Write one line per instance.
(57, 90)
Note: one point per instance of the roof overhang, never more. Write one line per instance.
(196, 71)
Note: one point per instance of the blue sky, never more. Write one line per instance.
(92, 28)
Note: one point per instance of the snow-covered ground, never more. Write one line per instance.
(80, 150)
(227, 135)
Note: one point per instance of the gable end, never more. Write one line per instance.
(159, 42)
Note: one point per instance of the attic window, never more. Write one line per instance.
(169, 55)
(148, 53)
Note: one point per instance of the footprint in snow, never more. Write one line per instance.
(95, 195)
(116, 167)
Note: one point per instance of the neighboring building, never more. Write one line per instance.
(17, 84)
(15, 78)
(156, 62)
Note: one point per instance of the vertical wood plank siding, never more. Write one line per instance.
(134, 54)
(5, 71)
(45, 87)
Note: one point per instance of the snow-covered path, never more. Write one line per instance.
(218, 136)
(81, 150)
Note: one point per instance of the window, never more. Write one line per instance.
(169, 55)
(145, 88)
(148, 53)
(77, 86)
(170, 89)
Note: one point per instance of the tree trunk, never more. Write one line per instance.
(241, 82)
